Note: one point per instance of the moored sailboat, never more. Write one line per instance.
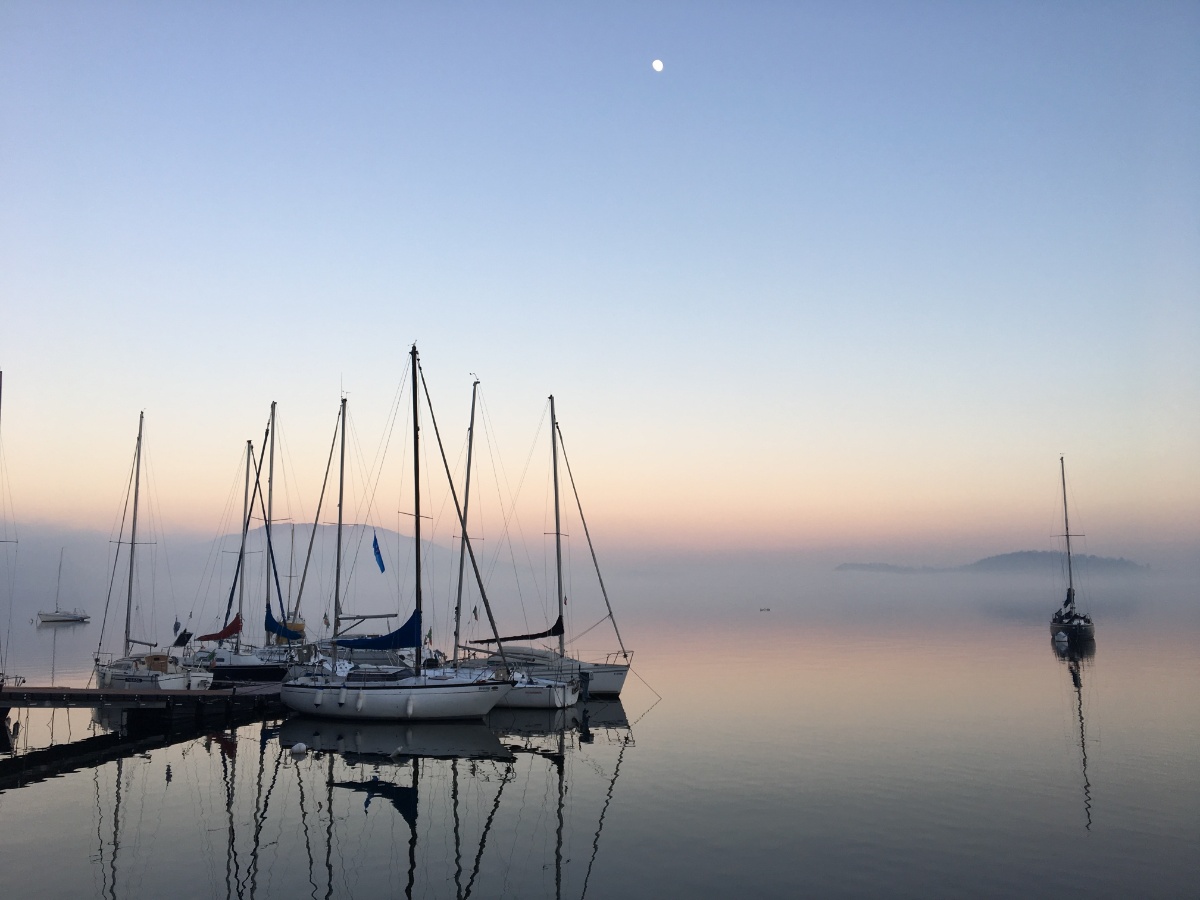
(550, 662)
(143, 671)
(1067, 619)
(391, 691)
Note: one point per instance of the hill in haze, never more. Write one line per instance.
(1021, 562)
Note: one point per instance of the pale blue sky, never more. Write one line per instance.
(842, 271)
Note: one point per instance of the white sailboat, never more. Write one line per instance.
(60, 615)
(391, 691)
(528, 691)
(143, 671)
(546, 661)
(232, 659)
(1067, 620)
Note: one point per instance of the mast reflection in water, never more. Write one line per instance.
(1077, 654)
(513, 806)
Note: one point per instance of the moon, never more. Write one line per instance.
(657, 65)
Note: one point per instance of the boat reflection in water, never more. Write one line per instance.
(488, 807)
(1077, 654)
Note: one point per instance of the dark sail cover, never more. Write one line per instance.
(554, 631)
(407, 635)
(283, 631)
(234, 627)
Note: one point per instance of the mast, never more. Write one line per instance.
(58, 584)
(267, 524)
(1067, 528)
(337, 577)
(462, 548)
(237, 641)
(419, 651)
(562, 647)
(137, 482)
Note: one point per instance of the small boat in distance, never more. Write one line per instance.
(1068, 620)
(59, 615)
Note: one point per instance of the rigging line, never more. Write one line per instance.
(458, 510)
(212, 561)
(508, 511)
(487, 828)
(600, 825)
(317, 520)
(116, 559)
(591, 548)
(157, 527)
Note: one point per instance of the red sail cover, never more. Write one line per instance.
(234, 627)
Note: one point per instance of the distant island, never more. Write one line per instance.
(1023, 561)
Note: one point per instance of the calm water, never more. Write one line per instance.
(869, 735)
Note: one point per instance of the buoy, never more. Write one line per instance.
(408, 707)
(342, 696)
(358, 704)
(299, 749)
(318, 697)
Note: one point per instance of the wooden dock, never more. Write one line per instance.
(175, 706)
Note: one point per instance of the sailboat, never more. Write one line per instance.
(1067, 620)
(528, 691)
(143, 671)
(368, 691)
(240, 661)
(549, 661)
(60, 615)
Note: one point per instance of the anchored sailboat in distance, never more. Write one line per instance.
(1068, 621)
(60, 615)
(391, 691)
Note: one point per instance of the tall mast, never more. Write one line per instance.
(270, 484)
(416, 500)
(237, 641)
(337, 577)
(562, 647)
(137, 482)
(1067, 528)
(462, 548)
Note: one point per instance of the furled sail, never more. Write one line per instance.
(280, 629)
(234, 627)
(554, 631)
(407, 635)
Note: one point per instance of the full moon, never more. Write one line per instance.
(656, 65)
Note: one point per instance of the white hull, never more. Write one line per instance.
(603, 678)
(427, 696)
(134, 674)
(61, 616)
(539, 693)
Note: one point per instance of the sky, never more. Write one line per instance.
(845, 277)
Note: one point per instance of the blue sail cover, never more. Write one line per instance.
(283, 631)
(407, 635)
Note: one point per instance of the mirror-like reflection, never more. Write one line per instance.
(1077, 653)
(511, 806)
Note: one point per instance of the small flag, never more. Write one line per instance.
(429, 637)
(475, 613)
(326, 620)
(375, 545)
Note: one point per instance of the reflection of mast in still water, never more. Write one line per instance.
(1073, 654)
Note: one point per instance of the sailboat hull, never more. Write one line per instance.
(1074, 631)
(416, 698)
(62, 617)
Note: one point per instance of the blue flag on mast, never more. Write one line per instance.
(375, 546)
